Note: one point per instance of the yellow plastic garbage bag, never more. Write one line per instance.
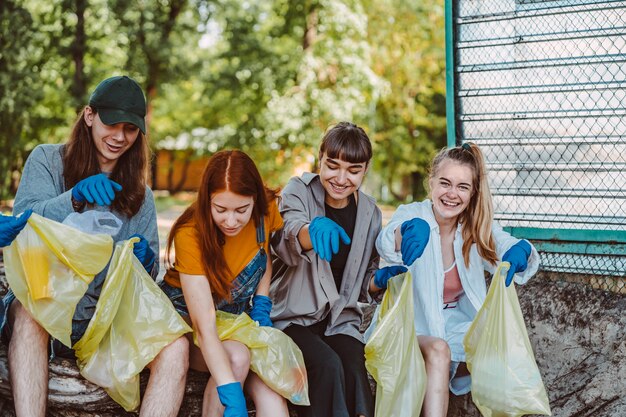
(133, 321)
(49, 267)
(505, 378)
(392, 354)
(274, 357)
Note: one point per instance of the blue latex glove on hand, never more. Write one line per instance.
(385, 274)
(517, 256)
(98, 189)
(143, 252)
(325, 235)
(261, 309)
(11, 226)
(415, 235)
(231, 397)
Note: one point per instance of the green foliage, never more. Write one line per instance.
(410, 121)
(20, 52)
(160, 41)
(266, 77)
(281, 73)
(334, 80)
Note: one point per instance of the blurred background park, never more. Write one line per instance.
(267, 77)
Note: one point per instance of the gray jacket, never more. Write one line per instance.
(303, 289)
(42, 189)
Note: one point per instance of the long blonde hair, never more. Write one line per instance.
(477, 218)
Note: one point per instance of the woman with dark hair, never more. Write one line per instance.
(222, 262)
(448, 242)
(104, 167)
(326, 263)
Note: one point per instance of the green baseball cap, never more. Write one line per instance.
(120, 100)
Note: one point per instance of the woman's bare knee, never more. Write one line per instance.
(266, 401)
(239, 357)
(436, 351)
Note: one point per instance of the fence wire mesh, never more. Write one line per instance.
(541, 87)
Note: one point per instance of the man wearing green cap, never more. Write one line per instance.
(104, 167)
(120, 100)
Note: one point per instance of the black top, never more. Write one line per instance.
(346, 218)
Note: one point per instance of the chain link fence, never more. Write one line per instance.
(541, 87)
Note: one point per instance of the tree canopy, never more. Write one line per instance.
(266, 77)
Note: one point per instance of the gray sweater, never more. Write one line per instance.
(42, 189)
(303, 287)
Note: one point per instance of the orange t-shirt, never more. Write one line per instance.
(238, 250)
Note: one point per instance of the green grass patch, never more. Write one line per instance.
(164, 201)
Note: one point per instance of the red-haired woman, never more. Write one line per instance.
(222, 262)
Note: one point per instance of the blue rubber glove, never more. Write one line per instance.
(517, 256)
(325, 235)
(231, 397)
(261, 309)
(98, 189)
(11, 226)
(415, 235)
(143, 252)
(385, 274)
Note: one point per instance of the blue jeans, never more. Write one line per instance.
(242, 290)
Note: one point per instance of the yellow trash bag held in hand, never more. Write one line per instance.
(133, 321)
(274, 357)
(49, 267)
(393, 356)
(505, 378)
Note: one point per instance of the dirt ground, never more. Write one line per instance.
(578, 335)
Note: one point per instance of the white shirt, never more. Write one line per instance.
(428, 276)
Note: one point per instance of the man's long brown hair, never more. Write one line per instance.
(80, 160)
(232, 171)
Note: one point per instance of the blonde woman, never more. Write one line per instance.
(448, 242)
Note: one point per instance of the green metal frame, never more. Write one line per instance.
(590, 242)
(575, 241)
(450, 91)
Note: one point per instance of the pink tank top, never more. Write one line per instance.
(452, 287)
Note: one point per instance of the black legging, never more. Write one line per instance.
(335, 365)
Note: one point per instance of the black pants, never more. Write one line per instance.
(335, 365)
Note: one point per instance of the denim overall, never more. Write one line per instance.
(243, 286)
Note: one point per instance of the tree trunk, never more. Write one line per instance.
(418, 191)
(310, 33)
(170, 170)
(154, 55)
(78, 48)
(186, 162)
